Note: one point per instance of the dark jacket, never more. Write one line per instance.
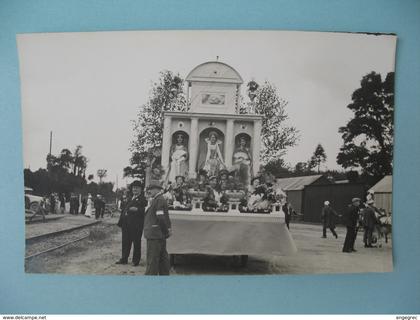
(328, 216)
(133, 208)
(369, 218)
(351, 217)
(156, 221)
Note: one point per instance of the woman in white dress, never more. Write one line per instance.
(89, 206)
(214, 160)
(179, 158)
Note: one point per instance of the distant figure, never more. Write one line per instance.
(99, 204)
(328, 216)
(369, 223)
(62, 203)
(89, 206)
(350, 220)
(84, 204)
(52, 203)
(287, 209)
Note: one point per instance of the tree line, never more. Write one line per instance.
(65, 173)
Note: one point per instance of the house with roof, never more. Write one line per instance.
(383, 193)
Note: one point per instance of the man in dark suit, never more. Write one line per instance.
(350, 220)
(157, 228)
(131, 223)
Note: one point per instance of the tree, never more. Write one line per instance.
(79, 161)
(317, 158)
(101, 173)
(275, 135)
(301, 168)
(368, 137)
(166, 95)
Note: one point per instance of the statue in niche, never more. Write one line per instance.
(214, 159)
(178, 165)
(242, 162)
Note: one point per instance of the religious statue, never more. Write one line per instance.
(178, 165)
(214, 160)
(242, 162)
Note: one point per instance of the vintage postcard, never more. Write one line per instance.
(207, 152)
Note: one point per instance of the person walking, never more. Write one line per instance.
(369, 222)
(157, 228)
(350, 220)
(98, 206)
(52, 203)
(131, 223)
(328, 216)
(287, 209)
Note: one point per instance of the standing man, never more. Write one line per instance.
(369, 221)
(157, 228)
(131, 223)
(351, 219)
(328, 216)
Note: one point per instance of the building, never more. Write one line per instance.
(294, 188)
(383, 193)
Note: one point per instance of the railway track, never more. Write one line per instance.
(46, 243)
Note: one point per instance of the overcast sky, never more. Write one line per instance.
(86, 87)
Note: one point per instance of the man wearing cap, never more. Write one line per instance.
(157, 228)
(131, 223)
(350, 220)
(328, 215)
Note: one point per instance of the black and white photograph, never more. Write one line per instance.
(207, 152)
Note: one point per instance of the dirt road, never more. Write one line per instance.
(97, 255)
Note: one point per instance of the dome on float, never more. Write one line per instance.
(214, 71)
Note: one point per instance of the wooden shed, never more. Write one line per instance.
(383, 193)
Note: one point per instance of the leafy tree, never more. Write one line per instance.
(79, 161)
(101, 173)
(275, 135)
(368, 137)
(317, 158)
(278, 168)
(166, 95)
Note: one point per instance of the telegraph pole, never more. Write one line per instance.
(50, 142)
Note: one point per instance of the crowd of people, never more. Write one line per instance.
(374, 222)
(215, 193)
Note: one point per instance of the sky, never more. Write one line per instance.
(87, 87)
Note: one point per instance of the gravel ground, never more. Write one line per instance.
(98, 253)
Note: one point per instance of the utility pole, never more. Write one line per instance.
(50, 142)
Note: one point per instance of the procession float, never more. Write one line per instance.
(210, 168)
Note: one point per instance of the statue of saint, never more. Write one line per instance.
(242, 162)
(179, 159)
(214, 160)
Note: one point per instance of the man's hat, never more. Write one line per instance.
(136, 183)
(327, 203)
(355, 200)
(154, 184)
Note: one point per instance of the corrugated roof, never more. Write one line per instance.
(383, 186)
(297, 183)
